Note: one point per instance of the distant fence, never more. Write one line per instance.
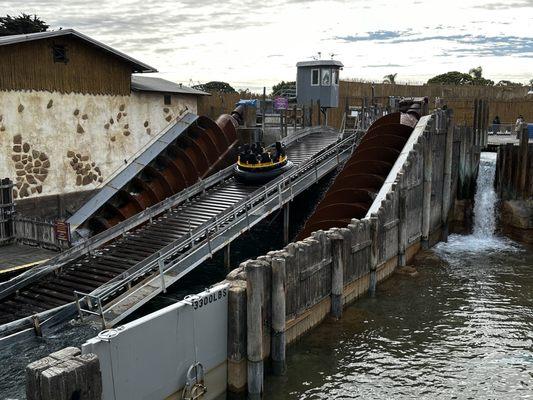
(507, 103)
(7, 210)
(38, 232)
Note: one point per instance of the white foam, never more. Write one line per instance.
(482, 238)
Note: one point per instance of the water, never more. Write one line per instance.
(461, 329)
(261, 239)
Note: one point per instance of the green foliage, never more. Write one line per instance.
(21, 24)
(391, 78)
(474, 77)
(215, 86)
(280, 87)
(452, 78)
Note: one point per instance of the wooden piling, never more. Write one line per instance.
(447, 181)
(402, 224)
(278, 342)
(237, 337)
(374, 253)
(426, 208)
(254, 324)
(337, 275)
(523, 163)
(227, 256)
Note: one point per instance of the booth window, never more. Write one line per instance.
(59, 52)
(167, 99)
(326, 77)
(335, 76)
(314, 77)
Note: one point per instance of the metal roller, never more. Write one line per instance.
(356, 186)
(203, 149)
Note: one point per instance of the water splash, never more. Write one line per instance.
(483, 238)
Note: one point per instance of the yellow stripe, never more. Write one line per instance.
(261, 165)
(4, 271)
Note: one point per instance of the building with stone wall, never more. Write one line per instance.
(72, 112)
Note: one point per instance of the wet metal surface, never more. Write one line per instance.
(89, 272)
(358, 183)
(202, 149)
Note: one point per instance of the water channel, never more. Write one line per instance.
(462, 328)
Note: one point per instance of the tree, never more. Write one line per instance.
(282, 86)
(474, 77)
(215, 86)
(391, 78)
(21, 24)
(452, 78)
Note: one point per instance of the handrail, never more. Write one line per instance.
(98, 240)
(121, 228)
(253, 202)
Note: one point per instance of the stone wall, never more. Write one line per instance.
(52, 143)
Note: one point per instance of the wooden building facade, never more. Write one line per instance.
(66, 62)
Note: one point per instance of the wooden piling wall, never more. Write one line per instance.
(514, 185)
(367, 256)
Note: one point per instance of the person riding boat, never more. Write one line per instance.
(261, 164)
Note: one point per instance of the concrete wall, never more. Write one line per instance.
(53, 143)
(149, 357)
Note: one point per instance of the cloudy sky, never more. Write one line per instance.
(256, 43)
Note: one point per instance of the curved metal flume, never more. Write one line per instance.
(354, 189)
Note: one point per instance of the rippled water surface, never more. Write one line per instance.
(462, 328)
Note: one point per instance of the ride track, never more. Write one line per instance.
(154, 248)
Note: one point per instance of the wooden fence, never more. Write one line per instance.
(514, 171)
(507, 103)
(277, 297)
(38, 232)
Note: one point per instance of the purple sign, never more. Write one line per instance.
(281, 103)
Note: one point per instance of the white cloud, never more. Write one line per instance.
(250, 44)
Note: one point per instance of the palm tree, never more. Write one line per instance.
(391, 78)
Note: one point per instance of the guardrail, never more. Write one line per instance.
(120, 229)
(178, 258)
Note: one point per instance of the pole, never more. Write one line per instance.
(426, 204)
(319, 116)
(254, 324)
(278, 342)
(402, 224)
(524, 141)
(374, 253)
(237, 337)
(286, 211)
(447, 184)
(337, 279)
(227, 256)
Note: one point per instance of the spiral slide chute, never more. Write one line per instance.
(191, 149)
(356, 186)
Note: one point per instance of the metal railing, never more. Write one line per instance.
(178, 258)
(502, 129)
(120, 229)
